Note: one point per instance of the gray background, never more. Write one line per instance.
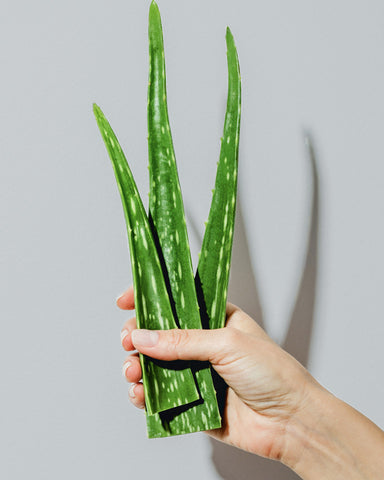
(315, 238)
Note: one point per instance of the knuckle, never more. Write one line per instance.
(176, 340)
(234, 313)
(228, 345)
(231, 336)
(232, 309)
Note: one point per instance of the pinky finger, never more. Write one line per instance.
(136, 395)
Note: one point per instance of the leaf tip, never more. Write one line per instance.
(97, 112)
(154, 9)
(228, 35)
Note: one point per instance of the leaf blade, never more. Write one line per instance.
(153, 310)
(167, 212)
(215, 257)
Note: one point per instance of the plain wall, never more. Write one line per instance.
(64, 258)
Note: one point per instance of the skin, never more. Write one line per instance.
(274, 407)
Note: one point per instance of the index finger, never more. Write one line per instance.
(126, 301)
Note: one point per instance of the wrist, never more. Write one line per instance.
(307, 437)
(327, 438)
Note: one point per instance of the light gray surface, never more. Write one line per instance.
(64, 408)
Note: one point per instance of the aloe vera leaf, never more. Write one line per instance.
(165, 200)
(166, 384)
(167, 212)
(186, 419)
(215, 257)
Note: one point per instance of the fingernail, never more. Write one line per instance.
(145, 338)
(120, 296)
(132, 391)
(123, 334)
(125, 368)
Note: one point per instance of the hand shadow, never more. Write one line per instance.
(230, 462)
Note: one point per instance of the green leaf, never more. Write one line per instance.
(215, 258)
(166, 384)
(169, 226)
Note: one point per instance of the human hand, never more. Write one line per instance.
(267, 387)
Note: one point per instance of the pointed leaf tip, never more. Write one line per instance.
(99, 115)
(230, 41)
(228, 34)
(154, 8)
(96, 109)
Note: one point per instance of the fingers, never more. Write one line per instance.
(203, 345)
(221, 347)
(136, 395)
(126, 301)
(125, 335)
(132, 369)
(132, 373)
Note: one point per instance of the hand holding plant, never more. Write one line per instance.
(267, 386)
(274, 407)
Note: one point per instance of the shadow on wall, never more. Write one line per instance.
(232, 463)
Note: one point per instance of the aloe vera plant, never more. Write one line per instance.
(179, 398)
(215, 257)
(167, 212)
(165, 200)
(165, 388)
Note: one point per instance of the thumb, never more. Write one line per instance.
(203, 345)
